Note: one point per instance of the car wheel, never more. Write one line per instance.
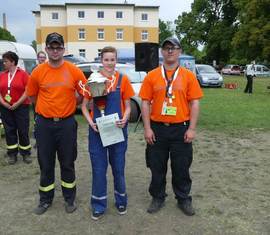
(135, 112)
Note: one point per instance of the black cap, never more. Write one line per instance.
(54, 37)
(171, 40)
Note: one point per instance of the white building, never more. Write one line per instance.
(89, 26)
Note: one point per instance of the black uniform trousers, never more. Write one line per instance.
(16, 125)
(170, 144)
(249, 85)
(56, 137)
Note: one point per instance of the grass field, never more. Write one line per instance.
(231, 110)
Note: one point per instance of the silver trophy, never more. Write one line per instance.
(97, 84)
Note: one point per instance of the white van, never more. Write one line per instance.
(26, 53)
(260, 70)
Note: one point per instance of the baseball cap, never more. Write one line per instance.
(54, 37)
(171, 40)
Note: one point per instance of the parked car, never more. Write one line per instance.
(136, 78)
(75, 59)
(208, 76)
(231, 69)
(261, 70)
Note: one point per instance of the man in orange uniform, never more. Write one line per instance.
(52, 86)
(173, 93)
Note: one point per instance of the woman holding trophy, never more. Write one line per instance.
(109, 93)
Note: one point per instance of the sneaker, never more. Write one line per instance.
(41, 208)
(27, 159)
(122, 210)
(70, 207)
(97, 215)
(186, 207)
(12, 159)
(155, 205)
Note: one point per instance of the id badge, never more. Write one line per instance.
(164, 108)
(171, 110)
(8, 98)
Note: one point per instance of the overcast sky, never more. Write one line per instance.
(21, 22)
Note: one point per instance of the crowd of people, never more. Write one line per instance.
(170, 108)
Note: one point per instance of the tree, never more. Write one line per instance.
(211, 24)
(165, 30)
(252, 40)
(34, 45)
(6, 35)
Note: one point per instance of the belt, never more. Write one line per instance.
(171, 124)
(55, 119)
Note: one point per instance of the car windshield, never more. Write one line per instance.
(75, 59)
(134, 76)
(206, 69)
(236, 67)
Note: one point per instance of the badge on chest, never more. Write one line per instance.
(168, 109)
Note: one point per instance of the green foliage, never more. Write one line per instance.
(210, 23)
(34, 45)
(6, 35)
(165, 30)
(252, 40)
(235, 31)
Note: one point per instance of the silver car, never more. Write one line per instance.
(208, 76)
(135, 78)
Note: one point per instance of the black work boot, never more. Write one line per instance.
(42, 208)
(155, 206)
(27, 159)
(12, 159)
(186, 207)
(70, 207)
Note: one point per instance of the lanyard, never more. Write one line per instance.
(169, 81)
(10, 79)
(111, 83)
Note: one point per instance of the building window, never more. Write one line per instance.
(119, 15)
(100, 14)
(55, 16)
(82, 52)
(100, 34)
(99, 52)
(81, 14)
(144, 16)
(144, 35)
(119, 34)
(81, 35)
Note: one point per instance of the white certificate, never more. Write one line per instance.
(109, 132)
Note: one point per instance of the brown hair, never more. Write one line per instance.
(108, 49)
(41, 52)
(11, 56)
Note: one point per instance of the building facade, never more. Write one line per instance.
(88, 27)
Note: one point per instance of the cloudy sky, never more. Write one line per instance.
(21, 22)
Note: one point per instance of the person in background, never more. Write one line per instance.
(170, 109)
(250, 74)
(41, 57)
(117, 101)
(15, 109)
(52, 87)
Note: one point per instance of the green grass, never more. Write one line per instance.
(231, 110)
